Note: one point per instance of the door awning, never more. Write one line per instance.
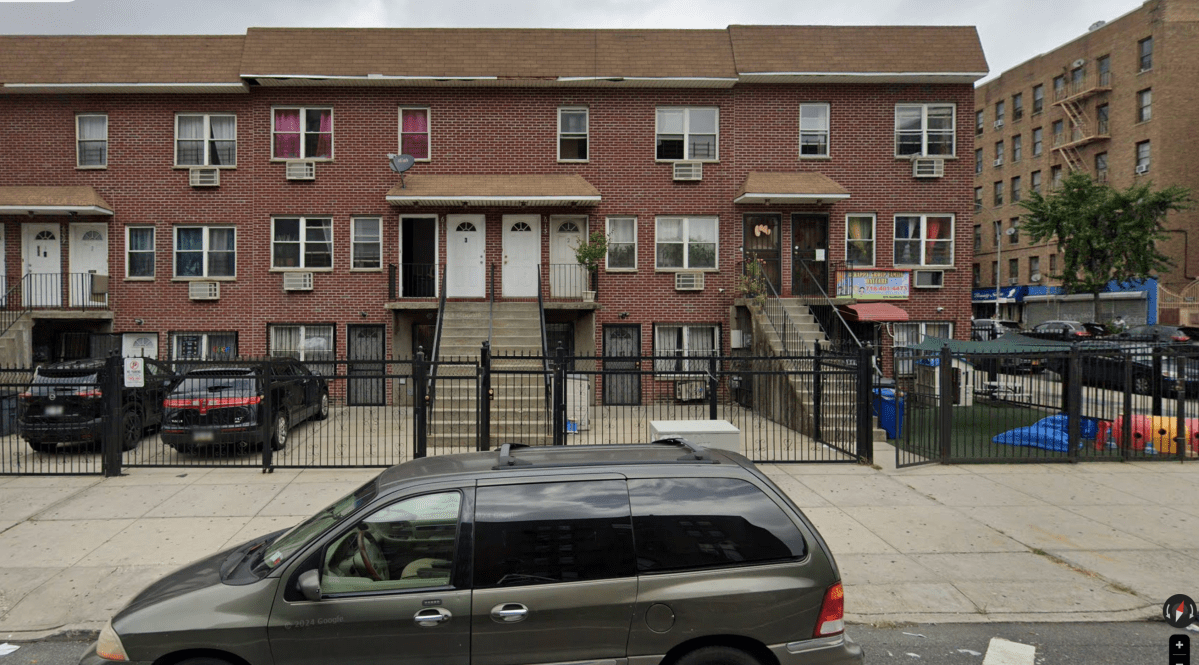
(494, 190)
(807, 187)
(874, 311)
(22, 200)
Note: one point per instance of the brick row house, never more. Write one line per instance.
(215, 196)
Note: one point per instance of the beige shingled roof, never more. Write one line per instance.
(494, 189)
(49, 200)
(120, 59)
(857, 49)
(761, 187)
(467, 52)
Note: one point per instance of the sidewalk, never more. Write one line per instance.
(1089, 542)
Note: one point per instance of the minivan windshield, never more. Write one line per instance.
(300, 535)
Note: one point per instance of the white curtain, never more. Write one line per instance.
(223, 130)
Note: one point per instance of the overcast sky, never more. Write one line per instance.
(1012, 31)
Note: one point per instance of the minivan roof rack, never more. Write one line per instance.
(695, 453)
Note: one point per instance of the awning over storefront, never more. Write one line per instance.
(874, 311)
(52, 201)
(768, 188)
(494, 190)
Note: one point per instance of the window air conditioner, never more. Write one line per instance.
(688, 170)
(928, 167)
(999, 162)
(301, 170)
(998, 124)
(297, 281)
(688, 281)
(1013, 281)
(689, 391)
(204, 290)
(204, 177)
(1142, 169)
(930, 279)
(1035, 277)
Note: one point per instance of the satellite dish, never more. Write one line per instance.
(1079, 63)
(401, 163)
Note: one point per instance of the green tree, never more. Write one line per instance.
(1104, 234)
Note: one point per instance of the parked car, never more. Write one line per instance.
(1102, 363)
(1066, 331)
(1159, 334)
(223, 405)
(661, 552)
(984, 330)
(64, 404)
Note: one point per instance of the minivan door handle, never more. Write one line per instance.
(432, 616)
(509, 613)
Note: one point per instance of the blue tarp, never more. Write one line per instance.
(1050, 433)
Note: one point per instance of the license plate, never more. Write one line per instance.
(54, 410)
(202, 435)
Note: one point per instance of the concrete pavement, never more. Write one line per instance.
(971, 543)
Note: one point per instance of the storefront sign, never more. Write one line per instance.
(873, 284)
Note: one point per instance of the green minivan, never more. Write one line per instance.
(662, 553)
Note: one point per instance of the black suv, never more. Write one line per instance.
(221, 406)
(64, 404)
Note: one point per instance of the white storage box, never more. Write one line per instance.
(719, 434)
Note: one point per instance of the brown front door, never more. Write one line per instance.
(809, 254)
(761, 242)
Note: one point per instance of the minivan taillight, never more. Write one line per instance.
(832, 612)
(1181, 338)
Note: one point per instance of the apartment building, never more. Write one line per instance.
(1116, 102)
(216, 196)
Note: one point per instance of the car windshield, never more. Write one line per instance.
(300, 535)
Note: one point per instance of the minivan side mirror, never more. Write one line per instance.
(310, 584)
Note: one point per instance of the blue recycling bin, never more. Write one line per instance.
(889, 410)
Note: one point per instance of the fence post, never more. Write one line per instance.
(559, 398)
(945, 411)
(817, 393)
(420, 397)
(713, 386)
(1181, 440)
(268, 417)
(111, 439)
(1155, 384)
(865, 417)
(484, 399)
(1126, 426)
(1074, 403)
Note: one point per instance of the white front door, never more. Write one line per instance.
(522, 255)
(465, 238)
(568, 279)
(88, 257)
(42, 255)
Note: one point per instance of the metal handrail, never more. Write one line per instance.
(491, 307)
(829, 302)
(10, 315)
(432, 394)
(545, 350)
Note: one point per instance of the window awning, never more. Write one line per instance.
(874, 311)
(804, 187)
(31, 200)
(494, 190)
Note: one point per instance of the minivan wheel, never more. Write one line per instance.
(322, 411)
(279, 437)
(47, 448)
(203, 661)
(1141, 385)
(717, 656)
(131, 430)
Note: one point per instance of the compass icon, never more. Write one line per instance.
(1179, 611)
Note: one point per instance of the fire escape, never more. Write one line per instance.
(1082, 128)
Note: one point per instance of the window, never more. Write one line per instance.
(813, 130)
(414, 133)
(1101, 167)
(1034, 268)
(1034, 182)
(1038, 98)
(1016, 194)
(1014, 233)
(1013, 269)
(978, 275)
(688, 523)
(1000, 112)
(688, 133)
(203, 345)
(622, 243)
(1143, 157)
(1038, 141)
(553, 532)
(1059, 86)
(998, 193)
(91, 140)
(366, 249)
(203, 139)
(978, 237)
(978, 160)
(205, 251)
(1104, 64)
(1017, 106)
(139, 252)
(305, 343)
(924, 240)
(1052, 263)
(1077, 76)
(1055, 177)
(688, 348)
(686, 242)
(924, 129)
(1101, 119)
(302, 242)
(1145, 49)
(979, 121)
(302, 133)
(859, 240)
(1017, 148)
(406, 545)
(998, 153)
(1144, 105)
(978, 199)
(912, 333)
(1059, 134)
(572, 134)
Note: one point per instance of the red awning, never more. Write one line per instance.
(874, 311)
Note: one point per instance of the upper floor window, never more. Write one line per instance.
(1038, 98)
(302, 242)
(414, 133)
(139, 258)
(924, 129)
(924, 240)
(688, 133)
(622, 243)
(686, 242)
(1000, 113)
(367, 245)
(1017, 147)
(1034, 182)
(1145, 49)
(1101, 114)
(572, 134)
(999, 153)
(978, 238)
(1059, 133)
(1059, 86)
(978, 160)
(1104, 64)
(1017, 106)
(91, 140)
(205, 139)
(813, 130)
(1055, 176)
(1144, 105)
(978, 199)
(859, 240)
(1101, 167)
(1016, 194)
(1038, 141)
(205, 251)
(998, 193)
(1143, 157)
(302, 133)
(978, 122)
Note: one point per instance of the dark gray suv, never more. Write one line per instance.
(658, 553)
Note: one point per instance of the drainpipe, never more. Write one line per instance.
(1185, 252)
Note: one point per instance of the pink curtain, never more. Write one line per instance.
(287, 134)
(414, 134)
(324, 144)
(416, 122)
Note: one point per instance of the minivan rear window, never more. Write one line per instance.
(681, 523)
